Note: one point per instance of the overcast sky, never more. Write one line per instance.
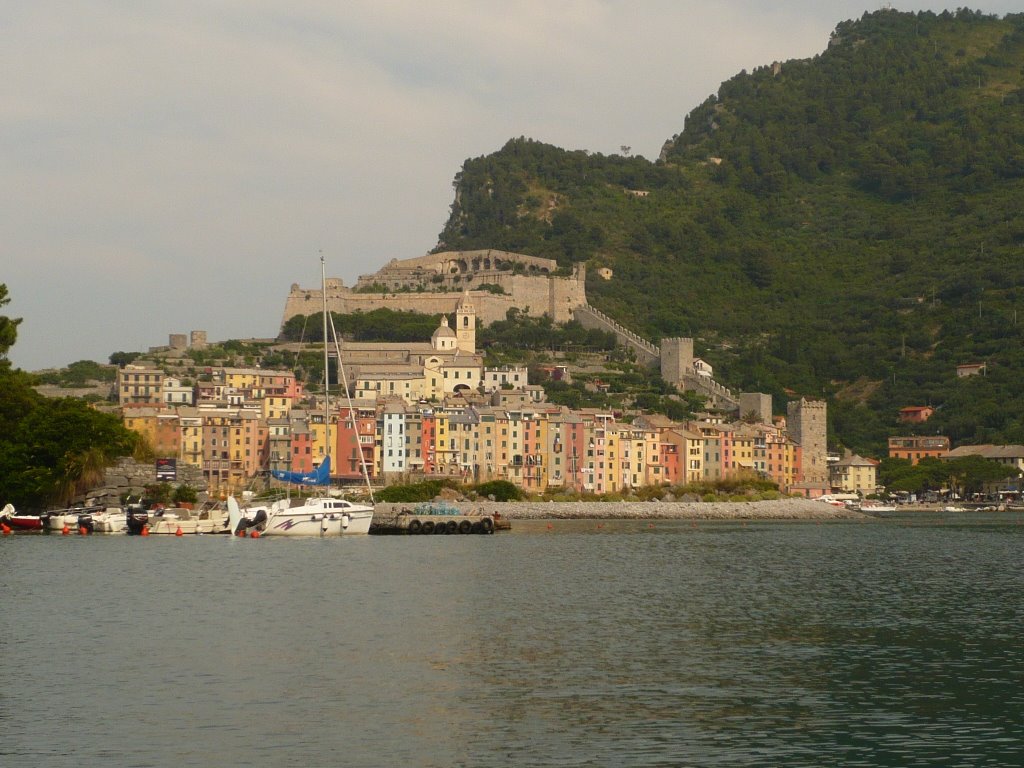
(173, 166)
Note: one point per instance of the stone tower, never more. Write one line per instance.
(465, 325)
(806, 423)
(676, 359)
(758, 402)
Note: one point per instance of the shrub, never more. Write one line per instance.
(185, 494)
(500, 490)
(416, 492)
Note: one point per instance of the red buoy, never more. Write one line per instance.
(82, 530)
(145, 531)
(179, 532)
(254, 535)
(6, 529)
(65, 531)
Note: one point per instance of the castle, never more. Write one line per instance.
(496, 281)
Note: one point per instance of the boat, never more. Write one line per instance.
(137, 519)
(323, 514)
(181, 521)
(58, 519)
(839, 499)
(16, 522)
(876, 509)
(110, 520)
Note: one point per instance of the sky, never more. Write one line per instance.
(176, 166)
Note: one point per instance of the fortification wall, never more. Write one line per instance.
(718, 396)
(589, 317)
(535, 295)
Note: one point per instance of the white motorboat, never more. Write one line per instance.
(876, 509)
(171, 520)
(110, 520)
(71, 518)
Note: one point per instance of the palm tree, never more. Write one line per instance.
(82, 470)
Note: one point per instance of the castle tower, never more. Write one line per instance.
(757, 402)
(676, 359)
(465, 325)
(806, 423)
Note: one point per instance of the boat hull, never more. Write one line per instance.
(187, 527)
(25, 522)
(300, 521)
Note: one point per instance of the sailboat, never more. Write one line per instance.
(321, 515)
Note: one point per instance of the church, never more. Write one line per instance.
(415, 371)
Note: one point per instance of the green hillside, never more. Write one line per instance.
(847, 225)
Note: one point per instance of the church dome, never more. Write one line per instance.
(444, 337)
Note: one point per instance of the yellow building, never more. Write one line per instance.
(377, 382)
(140, 385)
(691, 449)
(191, 425)
(141, 421)
(854, 474)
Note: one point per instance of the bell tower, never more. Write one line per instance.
(465, 325)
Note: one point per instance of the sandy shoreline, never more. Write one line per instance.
(783, 509)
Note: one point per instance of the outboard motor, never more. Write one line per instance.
(257, 521)
(85, 522)
(137, 518)
(240, 522)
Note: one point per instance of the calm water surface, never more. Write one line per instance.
(888, 643)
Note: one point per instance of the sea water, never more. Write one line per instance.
(587, 643)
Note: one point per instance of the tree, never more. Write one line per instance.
(8, 328)
(970, 474)
(50, 449)
(121, 359)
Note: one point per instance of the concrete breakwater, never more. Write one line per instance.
(782, 509)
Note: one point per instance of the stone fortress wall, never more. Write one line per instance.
(434, 284)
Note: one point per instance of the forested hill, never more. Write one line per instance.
(849, 224)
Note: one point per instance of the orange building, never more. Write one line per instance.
(916, 448)
(916, 414)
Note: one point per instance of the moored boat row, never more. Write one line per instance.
(315, 516)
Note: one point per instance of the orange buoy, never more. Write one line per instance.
(179, 532)
(241, 534)
(145, 531)
(254, 535)
(65, 531)
(6, 529)
(82, 530)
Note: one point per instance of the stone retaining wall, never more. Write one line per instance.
(783, 509)
(129, 477)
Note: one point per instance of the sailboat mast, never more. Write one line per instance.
(327, 375)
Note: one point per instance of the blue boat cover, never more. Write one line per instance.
(319, 476)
